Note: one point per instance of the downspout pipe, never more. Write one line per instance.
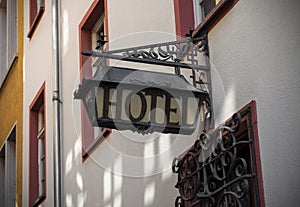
(57, 105)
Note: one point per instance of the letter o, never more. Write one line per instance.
(128, 106)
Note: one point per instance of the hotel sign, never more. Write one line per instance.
(142, 101)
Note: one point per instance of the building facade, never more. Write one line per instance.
(11, 102)
(243, 50)
(252, 50)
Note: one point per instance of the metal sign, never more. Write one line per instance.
(144, 101)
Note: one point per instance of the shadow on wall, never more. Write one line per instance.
(105, 178)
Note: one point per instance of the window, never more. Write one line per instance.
(36, 11)
(202, 8)
(37, 153)
(199, 15)
(41, 150)
(223, 167)
(8, 171)
(92, 30)
(8, 36)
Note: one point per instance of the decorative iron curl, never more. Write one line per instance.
(175, 51)
(212, 172)
(153, 54)
(179, 202)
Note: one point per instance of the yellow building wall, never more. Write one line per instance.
(11, 105)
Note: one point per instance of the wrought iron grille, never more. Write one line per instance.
(219, 169)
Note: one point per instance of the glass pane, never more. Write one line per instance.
(176, 114)
(3, 46)
(192, 104)
(12, 29)
(208, 5)
(99, 101)
(41, 163)
(197, 12)
(90, 105)
(112, 106)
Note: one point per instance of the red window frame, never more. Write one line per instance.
(38, 101)
(35, 16)
(249, 124)
(184, 17)
(98, 7)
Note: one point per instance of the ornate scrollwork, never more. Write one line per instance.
(154, 54)
(214, 172)
(174, 51)
(151, 83)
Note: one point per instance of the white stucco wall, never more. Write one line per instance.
(254, 55)
(37, 70)
(135, 16)
(107, 178)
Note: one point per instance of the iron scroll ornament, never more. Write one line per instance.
(212, 173)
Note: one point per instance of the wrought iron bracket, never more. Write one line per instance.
(178, 54)
(173, 51)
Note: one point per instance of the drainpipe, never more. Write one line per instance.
(57, 102)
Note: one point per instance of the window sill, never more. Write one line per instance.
(40, 199)
(7, 71)
(36, 22)
(106, 133)
(214, 17)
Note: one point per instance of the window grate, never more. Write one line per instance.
(220, 169)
